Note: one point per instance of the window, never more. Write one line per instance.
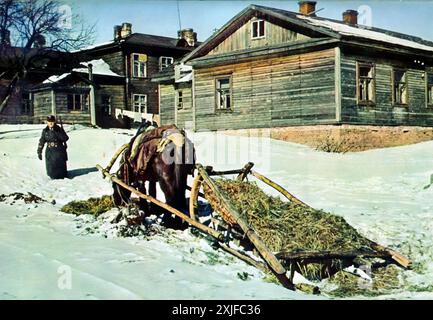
(223, 94)
(26, 107)
(106, 104)
(399, 91)
(77, 102)
(366, 83)
(164, 62)
(179, 102)
(140, 103)
(429, 80)
(139, 65)
(257, 29)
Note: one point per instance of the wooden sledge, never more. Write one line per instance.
(281, 264)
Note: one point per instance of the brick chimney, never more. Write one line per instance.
(126, 29)
(307, 8)
(116, 32)
(350, 17)
(188, 35)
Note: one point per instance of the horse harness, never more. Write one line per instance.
(171, 135)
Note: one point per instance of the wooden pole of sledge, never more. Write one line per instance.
(279, 188)
(115, 156)
(217, 235)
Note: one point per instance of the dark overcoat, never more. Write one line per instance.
(55, 152)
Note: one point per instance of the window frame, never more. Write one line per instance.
(26, 103)
(359, 65)
(140, 106)
(133, 61)
(429, 104)
(106, 108)
(257, 21)
(217, 94)
(179, 100)
(83, 100)
(160, 62)
(393, 86)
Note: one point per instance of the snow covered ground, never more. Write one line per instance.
(48, 254)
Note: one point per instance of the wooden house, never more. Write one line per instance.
(83, 95)
(137, 58)
(16, 99)
(269, 68)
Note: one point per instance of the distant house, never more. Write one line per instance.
(270, 68)
(136, 58)
(15, 88)
(69, 95)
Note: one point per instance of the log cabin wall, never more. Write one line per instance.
(167, 101)
(68, 116)
(384, 111)
(184, 116)
(116, 94)
(42, 105)
(270, 92)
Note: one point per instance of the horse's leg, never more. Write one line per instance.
(143, 204)
(154, 209)
(120, 195)
(171, 200)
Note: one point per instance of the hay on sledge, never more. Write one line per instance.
(290, 227)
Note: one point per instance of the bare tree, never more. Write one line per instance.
(30, 31)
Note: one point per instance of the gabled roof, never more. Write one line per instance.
(141, 39)
(316, 26)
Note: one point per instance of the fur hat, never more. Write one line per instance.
(51, 118)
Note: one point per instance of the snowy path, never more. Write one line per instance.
(379, 192)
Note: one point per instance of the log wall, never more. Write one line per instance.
(291, 90)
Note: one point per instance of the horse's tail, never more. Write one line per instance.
(184, 164)
(179, 169)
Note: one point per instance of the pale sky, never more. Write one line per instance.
(162, 17)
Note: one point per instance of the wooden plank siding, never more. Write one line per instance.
(184, 117)
(241, 38)
(384, 112)
(271, 92)
(167, 101)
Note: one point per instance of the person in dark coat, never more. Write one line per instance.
(55, 153)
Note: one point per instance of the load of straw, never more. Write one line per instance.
(285, 226)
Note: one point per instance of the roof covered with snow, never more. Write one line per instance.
(99, 67)
(360, 31)
(321, 26)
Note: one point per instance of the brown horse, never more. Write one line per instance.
(161, 160)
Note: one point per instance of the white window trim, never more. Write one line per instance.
(394, 88)
(218, 94)
(372, 100)
(429, 103)
(133, 67)
(252, 27)
(140, 106)
(160, 62)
